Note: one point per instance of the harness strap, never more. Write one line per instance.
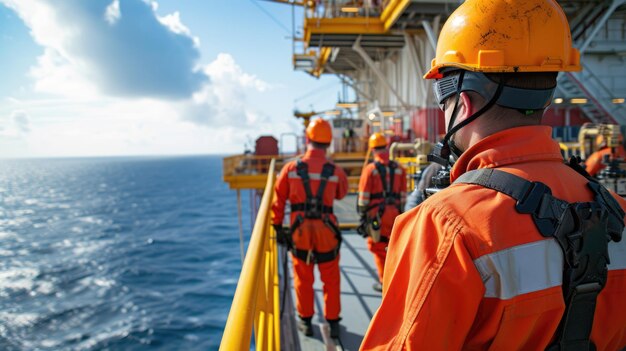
(395, 196)
(301, 206)
(302, 169)
(583, 231)
(314, 256)
(314, 208)
(388, 193)
(313, 205)
(382, 172)
(327, 171)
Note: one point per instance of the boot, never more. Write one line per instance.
(305, 326)
(334, 328)
(378, 287)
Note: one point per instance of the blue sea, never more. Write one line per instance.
(117, 253)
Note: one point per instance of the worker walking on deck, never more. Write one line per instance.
(596, 162)
(382, 193)
(311, 184)
(522, 251)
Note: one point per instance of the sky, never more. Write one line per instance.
(149, 77)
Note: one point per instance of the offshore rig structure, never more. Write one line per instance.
(381, 49)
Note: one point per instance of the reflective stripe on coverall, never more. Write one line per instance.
(312, 234)
(465, 271)
(594, 164)
(370, 183)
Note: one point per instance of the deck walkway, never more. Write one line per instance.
(358, 300)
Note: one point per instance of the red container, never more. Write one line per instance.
(428, 123)
(266, 145)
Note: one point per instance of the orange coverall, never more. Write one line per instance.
(466, 271)
(312, 234)
(370, 195)
(593, 165)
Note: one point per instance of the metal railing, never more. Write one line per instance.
(251, 164)
(256, 299)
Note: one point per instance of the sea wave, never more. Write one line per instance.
(116, 253)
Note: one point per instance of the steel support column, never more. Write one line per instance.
(368, 60)
(431, 35)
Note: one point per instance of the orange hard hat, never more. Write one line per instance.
(506, 36)
(319, 131)
(377, 140)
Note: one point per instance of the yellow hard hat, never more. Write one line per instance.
(506, 36)
(319, 131)
(377, 140)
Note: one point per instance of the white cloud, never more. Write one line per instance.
(16, 126)
(138, 56)
(113, 13)
(224, 101)
(99, 107)
(56, 75)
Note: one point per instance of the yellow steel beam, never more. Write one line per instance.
(342, 25)
(321, 61)
(246, 181)
(392, 12)
(288, 2)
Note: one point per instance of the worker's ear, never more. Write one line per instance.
(465, 109)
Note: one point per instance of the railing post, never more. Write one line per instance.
(250, 303)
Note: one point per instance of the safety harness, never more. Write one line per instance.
(314, 208)
(387, 194)
(390, 197)
(582, 230)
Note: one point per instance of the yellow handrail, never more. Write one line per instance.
(256, 297)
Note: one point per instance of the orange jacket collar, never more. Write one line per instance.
(315, 153)
(510, 146)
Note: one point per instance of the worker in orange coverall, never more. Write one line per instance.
(382, 194)
(522, 251)
(311, 184)
(595, 163)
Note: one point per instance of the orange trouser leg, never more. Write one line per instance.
(303, 285)
(380, 254)
(329, 273)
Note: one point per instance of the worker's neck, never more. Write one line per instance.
(481, 128)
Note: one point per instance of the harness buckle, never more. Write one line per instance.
(588, 288)
(532, 199)
(313, 208)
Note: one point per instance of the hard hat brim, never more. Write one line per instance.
(435, 71)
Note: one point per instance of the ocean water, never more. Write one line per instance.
(117, 253)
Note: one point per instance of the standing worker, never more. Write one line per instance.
(311, 184)
(382, 193)
(521, 252)
(595, 163)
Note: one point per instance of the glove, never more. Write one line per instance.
(362, 228)
(281, 238)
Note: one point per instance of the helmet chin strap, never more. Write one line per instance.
(445, 148)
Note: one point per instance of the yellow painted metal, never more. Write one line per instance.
(246, 181)
(249, 171)
(342, 25)
(256, 298)
(392, 12)
(288, 2)
(570, 149)
(321, 61)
